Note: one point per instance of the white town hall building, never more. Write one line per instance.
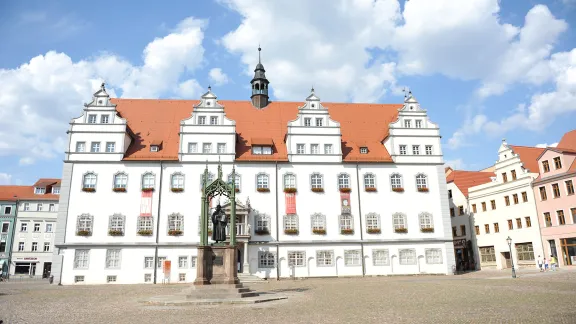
(324, 189)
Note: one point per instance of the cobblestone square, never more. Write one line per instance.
(481, 297)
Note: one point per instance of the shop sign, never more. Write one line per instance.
(460, 243)
(28, 258)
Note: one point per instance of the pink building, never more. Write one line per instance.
(556, 201)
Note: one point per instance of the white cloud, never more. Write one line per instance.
(41, 96)
(5, 179)
(546, 145)
(218, 77)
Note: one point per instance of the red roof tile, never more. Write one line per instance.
(528, 156)
(568, 141)
(150, 120)
(464, 180)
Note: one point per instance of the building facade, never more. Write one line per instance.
(461, 215)
(505, 207)
(556, 201)
(323, 189)
(7, 217)
(33, 243)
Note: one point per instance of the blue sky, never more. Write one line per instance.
(484, 70)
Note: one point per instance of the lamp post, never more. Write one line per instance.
(509, 240)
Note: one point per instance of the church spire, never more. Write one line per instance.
(259, 85)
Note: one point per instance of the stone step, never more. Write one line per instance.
(249, 278)
(221, 295)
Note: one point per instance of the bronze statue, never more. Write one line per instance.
(219, 222)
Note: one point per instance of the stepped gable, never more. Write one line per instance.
(152, 120)
(529, 156)
(464, 180)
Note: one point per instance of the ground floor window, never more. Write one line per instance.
(78, 279)
(324, 258)
(25, 268)
(380, 257)
(524, 251)
(296, 258)
(568, 247)
(433, 256)
(182, 277)
(111, 279)
(266, 259)
(352, 258)
(487, 254)
(407, 256)
(148, 277)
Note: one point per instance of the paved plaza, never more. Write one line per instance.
(481, 297)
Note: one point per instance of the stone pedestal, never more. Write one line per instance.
(216, 265)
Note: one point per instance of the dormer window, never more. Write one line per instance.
(261, 150)
(56, 190)
(407, 123)
(202, 120)
(154, 148)
(39, 191)
(91, 119)
(418, 123)
(319, 122)
(213, 120)
(363, 150)
(105, 119)
(307, 121)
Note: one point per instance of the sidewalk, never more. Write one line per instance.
(522, 272)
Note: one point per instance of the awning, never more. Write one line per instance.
(261, 141)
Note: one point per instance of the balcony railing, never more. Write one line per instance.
(241, 229)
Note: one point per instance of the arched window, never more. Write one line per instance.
(116, 224)
(343, 181)
(177, 181)
(421, 181)
(89, 181)
(372, 221)
(84, 224)
(176, 222)
(396, 181)
(318, 222)
(399, 221)
(289, 181)
(236, 183)
(426, 220)
(316, 181)
(120, 180)
(262, 181)
(369, 181)
(147, 180)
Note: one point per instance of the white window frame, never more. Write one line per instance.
(314, 149)
(372, 221)
(81, 259)
(49, 227)
(206, 148)
(343, 181)
(39, 206)
(407, 256)
(319, 122)
(192, 147)
(56, 190)
(213, 120)
(176, 222)
(36, 228)
(262, 223)
(318, 221)
(51, 207)
(210, 179)
(300, 148)
(327, 148)
(316, 180)
(183, 262)
(415, 149)
(113, 258)
(89, 180)
(148, 262)
(402, 149)
(363, 150)
(201, 120)
(418, 123)
(177, 180)
(23, 227)
(221, 147)
(352, 258)
(381, 257)
(95, 147)
(80, 147)
(407, 123)
(148, 180)
(21, 246)
(46, 247)
(429, 150)
(120, 180)
(266, 260)
(396, 181)
(289, 180)
(26, 206)
(296, 258)
(369, 180)
(262, 181)
(421, 181)
(346, 222)
(426, 220)
(433, 256)
(34, 247)
(84, 222)
(325, 258)
(144, 223)
(291, 222)
(117, 222)
(257, 150)
(104, 119)
(238, 181)
(92, 119)
(110, 147)
(307, 121)
(399, 221)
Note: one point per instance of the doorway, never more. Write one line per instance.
(239, 259)
(508, 263)
(47, 269)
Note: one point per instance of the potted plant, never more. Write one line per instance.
(115, 232)
(145, 232)
(319, 231)
(262, 232)
(373, 231)
(427, 230)
(346, 231)
(291, 231)
(147, 189)
(119, 189)
(398, 189)
(370, 189)
(401, 230)
(263, 189)
(317, 189)
(237, 189)
(290, 190)
(424, 189)
(83, 233)
(345, 189)
(85, 189)
(177, 189)
(174, 232)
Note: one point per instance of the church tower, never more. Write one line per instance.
(259, 85)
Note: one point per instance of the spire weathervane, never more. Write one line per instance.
(259, 50)
(102, 86)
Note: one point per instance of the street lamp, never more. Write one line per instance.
(509, 240)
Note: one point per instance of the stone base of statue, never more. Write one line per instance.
(216, 265)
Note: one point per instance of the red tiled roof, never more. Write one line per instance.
(464, 180)
(528, 156)
(151, 119)
(13, 193)
(47, 182)
(568, 141)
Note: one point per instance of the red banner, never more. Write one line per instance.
(146, 204)
(345, 202)
(290, 203)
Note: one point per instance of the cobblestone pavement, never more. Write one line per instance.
(470, 298)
